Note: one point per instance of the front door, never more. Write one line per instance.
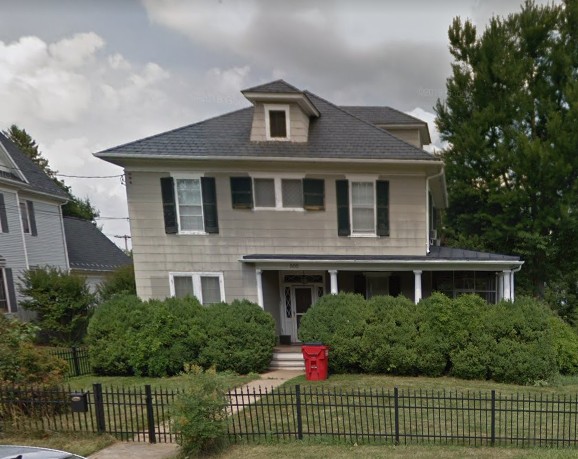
(302, 301)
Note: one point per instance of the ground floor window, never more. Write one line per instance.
(456, 283)
(207, 287)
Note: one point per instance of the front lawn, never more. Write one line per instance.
(174, 382)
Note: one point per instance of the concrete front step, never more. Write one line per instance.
(287, 361)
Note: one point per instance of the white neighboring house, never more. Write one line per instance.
(31, 229)
(90, 253)
(293, 198)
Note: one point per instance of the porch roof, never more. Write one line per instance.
(439, 258)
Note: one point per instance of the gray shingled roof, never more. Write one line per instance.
(381, 115)
(38, 180)
(335, 134)
(89, 249)
(436, 253)
(277, 86)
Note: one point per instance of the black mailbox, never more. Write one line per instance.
(79, 402)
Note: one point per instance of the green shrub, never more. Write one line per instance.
(62, 302)
(199, 414)
(240, 337)
(108, 334)
(524, 350)
(155, 338)
(23, 363)
(388, 343)
(566, 345)
(338, 321)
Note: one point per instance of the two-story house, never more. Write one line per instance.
(293, 198)
(31, 229)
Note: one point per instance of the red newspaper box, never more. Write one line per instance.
(316, 357)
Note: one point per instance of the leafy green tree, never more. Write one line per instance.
(510, 120)
(62, 302)
(75, 207)
(119, 282)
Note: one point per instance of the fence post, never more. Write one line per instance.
(396, 413)
(493, 418)
(150, 414)
(75, 361)
(298, 405)
(99, 408)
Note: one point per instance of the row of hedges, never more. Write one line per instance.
(127, 336)
(520, 342)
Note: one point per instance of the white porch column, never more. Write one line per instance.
(507, 285)
(259, 274)
(500, 289)
(512, 295)
(333, 274)
(417, 286)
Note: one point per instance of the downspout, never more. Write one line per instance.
(439, 174)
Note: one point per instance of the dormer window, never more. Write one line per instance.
(277, 122)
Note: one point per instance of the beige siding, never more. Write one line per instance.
(407, 135)
(243, 232)
(299, 124)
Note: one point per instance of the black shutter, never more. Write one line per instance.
(382, 191)
(3, 217)
(210, 204)
(32, 218)
(242, 192)
(342, 193)
(314, 194)
(12, 304)
(169, 205)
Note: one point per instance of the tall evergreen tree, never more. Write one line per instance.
(511, 121)
(75, 207)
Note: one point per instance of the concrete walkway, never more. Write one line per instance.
(141, 450)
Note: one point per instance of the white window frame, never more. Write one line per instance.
(277, 108)
(278, 183)
(196, 278)
(177, 177)
(23, 207)
(353, 180)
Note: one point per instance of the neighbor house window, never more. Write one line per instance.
(362, 208)
(208, 288)
(277, 122)
(4, 307)
(25, 217)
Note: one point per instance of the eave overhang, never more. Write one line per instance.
(300, 99)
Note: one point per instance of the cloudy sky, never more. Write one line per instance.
(84, 75)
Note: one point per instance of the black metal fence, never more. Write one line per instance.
(77, 359)
(307, 412)
(129, 413)
(405, 416)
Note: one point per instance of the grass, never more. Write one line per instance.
(296, 450)
(82, 444)
(174, 382)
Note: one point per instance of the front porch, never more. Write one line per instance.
(288, 285)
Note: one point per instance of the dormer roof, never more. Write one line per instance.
(280, 91)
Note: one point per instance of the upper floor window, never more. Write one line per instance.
(25, 217)
(4, 307)
(28, 218)
(362, 207)
(208, 288)
(277, 122)
(277, 193)
(189, 205)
